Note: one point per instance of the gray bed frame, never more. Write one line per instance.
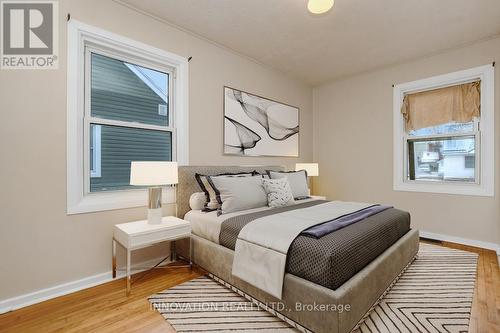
(359, 293)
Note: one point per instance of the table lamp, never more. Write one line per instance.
(312, 170)
(153, 174)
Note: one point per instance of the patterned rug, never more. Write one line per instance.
(434, 294)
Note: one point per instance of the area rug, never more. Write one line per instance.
(434, 294)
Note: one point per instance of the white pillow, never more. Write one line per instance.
(297, 181)
(278, 191)
(197, 201)
(238, 193)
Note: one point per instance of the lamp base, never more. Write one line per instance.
(154, 215)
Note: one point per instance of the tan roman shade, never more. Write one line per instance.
(460, 103)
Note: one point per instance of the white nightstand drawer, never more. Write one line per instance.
(139, 234)
(159, 236)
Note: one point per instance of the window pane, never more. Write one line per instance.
(92, 149)
(447, 159)
(121, 145)
(95, 150)
(450, 128)
(127, 92)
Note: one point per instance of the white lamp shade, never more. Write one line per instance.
(152, 173)
(311, 168)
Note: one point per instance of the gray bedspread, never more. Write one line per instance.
(334, 258)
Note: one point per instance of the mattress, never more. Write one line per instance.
(328, 261)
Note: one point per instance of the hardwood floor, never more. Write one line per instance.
(485, 316)
(105, 308)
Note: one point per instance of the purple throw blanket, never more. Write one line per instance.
(325, 228)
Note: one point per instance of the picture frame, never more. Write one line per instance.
(259, 126)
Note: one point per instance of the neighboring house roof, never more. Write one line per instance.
(458, 153)
(156, 81)
(458, 147)
(110, 74)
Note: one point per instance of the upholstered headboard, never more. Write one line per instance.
(188, 185)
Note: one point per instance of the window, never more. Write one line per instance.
(445, 147)
(441, 157)
(470, 162)
(126, 102)
(122, 106)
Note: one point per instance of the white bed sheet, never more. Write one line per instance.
(207, 224)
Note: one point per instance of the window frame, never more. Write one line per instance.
(82, 39)
(483, 132)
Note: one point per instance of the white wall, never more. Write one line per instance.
(353, 145)
(40, 246)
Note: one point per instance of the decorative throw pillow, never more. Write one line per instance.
(297, 181)
(238, 193)
(197, 201)
(278, 192)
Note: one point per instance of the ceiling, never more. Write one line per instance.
(355, 36)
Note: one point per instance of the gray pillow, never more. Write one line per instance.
(238, 193)
(278, 191)
(296, 179)
(211, 202)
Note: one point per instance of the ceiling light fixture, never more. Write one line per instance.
(319, 6)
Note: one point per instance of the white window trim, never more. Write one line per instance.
(79, 35)
(95, 170)
(485, 184)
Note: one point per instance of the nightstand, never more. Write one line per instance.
(140, 234)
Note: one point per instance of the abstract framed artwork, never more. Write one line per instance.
(258, 126)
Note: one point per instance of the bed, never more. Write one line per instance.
(347, 270)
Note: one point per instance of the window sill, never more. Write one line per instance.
(103, 201)
(443, 188)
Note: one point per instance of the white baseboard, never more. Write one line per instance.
(463, 241)
(38, 296)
